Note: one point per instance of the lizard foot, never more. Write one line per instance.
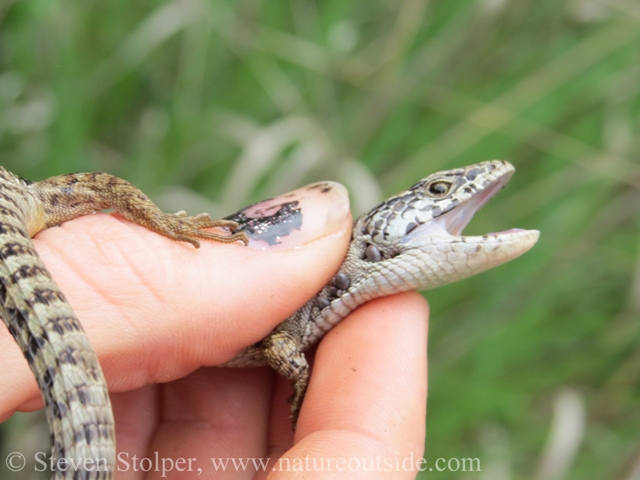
(282, 352)
(180, 226)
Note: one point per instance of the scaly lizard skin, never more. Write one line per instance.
(44, 325)
(409, 242)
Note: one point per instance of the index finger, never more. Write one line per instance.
(366, 402)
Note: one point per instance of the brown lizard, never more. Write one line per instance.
(410, 241)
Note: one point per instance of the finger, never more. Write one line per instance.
(193, 424)
(137, 413)
(367, 395)
(213, 415)
(156, 310)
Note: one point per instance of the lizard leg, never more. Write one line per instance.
(66, 197)
(283, 354)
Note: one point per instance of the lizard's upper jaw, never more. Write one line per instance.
(454, 221)
(449, 226)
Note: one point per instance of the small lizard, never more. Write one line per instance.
(410, 241)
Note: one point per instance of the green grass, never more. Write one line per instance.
(218, 104)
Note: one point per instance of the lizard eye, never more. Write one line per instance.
(439, 188)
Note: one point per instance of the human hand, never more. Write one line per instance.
(158, 312)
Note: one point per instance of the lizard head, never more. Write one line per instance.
(426, 222)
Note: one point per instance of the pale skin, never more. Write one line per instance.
(156, 319)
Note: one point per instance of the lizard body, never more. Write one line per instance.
(410, 241)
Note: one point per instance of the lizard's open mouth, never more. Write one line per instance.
(453, 222)
(428, 219)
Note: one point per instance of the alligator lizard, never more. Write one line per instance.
(410, 241)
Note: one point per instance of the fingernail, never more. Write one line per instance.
(295, 218)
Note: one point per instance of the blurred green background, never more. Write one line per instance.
(210, 105)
